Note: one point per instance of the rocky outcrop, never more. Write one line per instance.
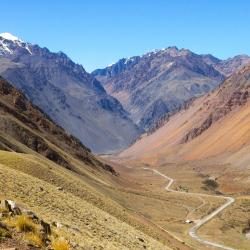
(233, 93)
(25, 223)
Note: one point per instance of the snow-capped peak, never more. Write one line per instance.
(10, 37)
(10, 44)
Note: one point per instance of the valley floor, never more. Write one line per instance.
(170, 211)
(129, 211)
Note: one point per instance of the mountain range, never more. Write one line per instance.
(52, 176)
(180, 122)
(111, 107)
(152, 86)
(199, 130)
(25, 127)
(68, 94)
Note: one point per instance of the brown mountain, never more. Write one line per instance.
(215, 124)
(159, 83)
(24, 126)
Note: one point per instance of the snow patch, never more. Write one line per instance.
(110, 64)
(6, 45)
(10, 37)
(5, 48)
(130, 59)
(27, 48)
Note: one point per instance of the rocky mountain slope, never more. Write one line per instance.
(214, 124)
(25, 127)
(229, 66)
(159, 83)
(233, 93)
(67, 93)
(51, 173)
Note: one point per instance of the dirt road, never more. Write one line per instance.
(198, 224)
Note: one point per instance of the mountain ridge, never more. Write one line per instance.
(158, 83)
(196, 131)
(67, 93)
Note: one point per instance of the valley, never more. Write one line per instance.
(151, 152)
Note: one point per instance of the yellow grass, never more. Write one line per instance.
(24, 224)
(77, 206)
(60, 244)
(34, 239)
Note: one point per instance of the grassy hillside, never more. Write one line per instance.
(48, 171)
(33, 182)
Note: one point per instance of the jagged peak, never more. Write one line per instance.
(10, 37)
(171, 50)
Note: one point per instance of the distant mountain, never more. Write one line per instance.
(229, 66)
(68, 94)
(161, 82)
(25, 129)
(216, 124)
(232, 94)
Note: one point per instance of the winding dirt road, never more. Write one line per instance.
(198, 224)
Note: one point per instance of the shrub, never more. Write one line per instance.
(9, 222)
(34, 239)
(211, 184)
(25, 224)
(4, 234)
(60, 244)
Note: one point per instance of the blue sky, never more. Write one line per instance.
(96, 33)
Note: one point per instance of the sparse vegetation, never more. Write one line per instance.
(183, 188)
(34, 239)
(210, 184)
(247, 228)
(60, 244)
(25, 224)
(4, 234)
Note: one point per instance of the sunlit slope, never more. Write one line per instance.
(58, 195)
(51, 173)
(215, 124)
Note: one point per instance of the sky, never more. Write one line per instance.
(96, 33)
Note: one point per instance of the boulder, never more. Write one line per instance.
(9, 206)
(59, 188)
(46, 227)
(57, 224)
(30, 214)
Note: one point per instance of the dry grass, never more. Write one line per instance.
(60, 244)
(22, 177)
(34, 239)
(25, 224)
(4, 234)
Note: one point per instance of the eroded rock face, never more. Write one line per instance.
(233, 93)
